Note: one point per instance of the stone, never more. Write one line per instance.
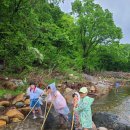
(2, 108)
(24, 110)
(18, 98)
(94, 126)
(2, 123)
(8, 96)
(27, 102)
(5, 118)
(16, 120)
(9, 85)
(4, 103)
(14, 113)
(68, 95)
(92, 89)
(67, 90)
(19, 104)
(17, 82)
(59, 85)
(110, 121)
(102, 128)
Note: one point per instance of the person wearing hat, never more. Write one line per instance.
(84, 109)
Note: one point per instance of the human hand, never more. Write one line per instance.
(75, 104)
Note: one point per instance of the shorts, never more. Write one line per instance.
(33, 102)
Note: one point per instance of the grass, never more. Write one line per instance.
(20, 89)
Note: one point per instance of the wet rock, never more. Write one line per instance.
(2, 108)
(19, 104)
(2, 123)
(9, 85)
(19, 98)
(4, 103)
(27, 102)
(110, 121)
(14, 113)
(5, 118)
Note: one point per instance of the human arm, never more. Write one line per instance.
(84, 104)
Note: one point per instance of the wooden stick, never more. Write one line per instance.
(45, 109)
(46, 117)
(72, 125)
(31, 110)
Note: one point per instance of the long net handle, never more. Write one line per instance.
(72, 124)
(46, 117)
(45, 109)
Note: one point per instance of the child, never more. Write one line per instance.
(117, 85)
(84, 109)
(76, 99)
(58, 102)
(34, 93)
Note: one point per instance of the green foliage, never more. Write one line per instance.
(38, 34)
(95, 26)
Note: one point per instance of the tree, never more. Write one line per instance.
(94, 26)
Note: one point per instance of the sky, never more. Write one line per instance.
(120, 10)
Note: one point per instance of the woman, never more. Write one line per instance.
(84, 109)
(58, 102)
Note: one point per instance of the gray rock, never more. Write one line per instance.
(2, 108)
(110, 121)
(19, 104)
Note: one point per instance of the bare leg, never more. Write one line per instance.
(40, 111)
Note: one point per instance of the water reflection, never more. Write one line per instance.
(112, 100)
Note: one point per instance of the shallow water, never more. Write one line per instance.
(115, 102)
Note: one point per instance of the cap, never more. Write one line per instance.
(83, 90)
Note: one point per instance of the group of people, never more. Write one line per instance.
(81, 105)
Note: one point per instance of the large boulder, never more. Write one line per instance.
(14, 113)
(18, 98)
(4, 103)
(110, 121)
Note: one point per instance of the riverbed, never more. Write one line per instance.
(115, 102)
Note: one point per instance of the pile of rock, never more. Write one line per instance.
(14, 110)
